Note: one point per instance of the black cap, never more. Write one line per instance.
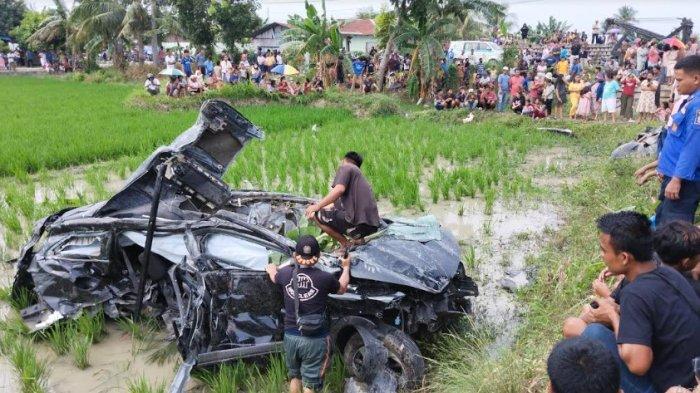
(307, 247)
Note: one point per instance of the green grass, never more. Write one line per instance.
(141, 385)
(52, 123)
(270, 378)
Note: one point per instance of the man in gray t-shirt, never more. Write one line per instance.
(350, 208)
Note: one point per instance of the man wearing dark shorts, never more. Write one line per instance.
(307, 354)
(350, 208)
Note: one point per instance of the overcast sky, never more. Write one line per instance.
(656, 15)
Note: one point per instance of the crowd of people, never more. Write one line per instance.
(50, 61)
(202, 73)
(561, 79)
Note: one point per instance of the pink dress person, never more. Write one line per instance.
(584, 105)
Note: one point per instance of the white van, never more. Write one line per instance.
(475, 50)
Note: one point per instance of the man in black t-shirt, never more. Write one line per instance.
(655, 331)
(307, 355)
(350, 208)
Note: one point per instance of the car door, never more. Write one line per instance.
(246, 307)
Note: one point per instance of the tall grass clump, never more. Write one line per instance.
(60, 336)
(80, 349)
(31, 371)
(141, 385)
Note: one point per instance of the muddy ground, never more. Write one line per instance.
(495, 246)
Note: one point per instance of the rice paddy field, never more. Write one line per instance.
(67, 143)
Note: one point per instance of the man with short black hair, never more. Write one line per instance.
(655, 331)
(582, 365)
(307, 347)
(677, 244)
(679, 159)
(350, 208)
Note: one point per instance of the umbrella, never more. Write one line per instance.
(674, 41)
(171, 72)
(614, 30)
(285, 70)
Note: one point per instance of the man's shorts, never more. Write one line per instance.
(609, 105)
(683, 208)
(307, 358)
(335, 219)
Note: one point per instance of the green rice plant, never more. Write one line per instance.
(470, 260)
(60, 336)
(270, 380)
(489, 199)
(334, 380)
(80, 350)
(32, 372)
(228, 377)
(6, 294)
(23, 298)
(92, 326)
(163, 351)
(11, 329)
(142, 330)
(141, 385)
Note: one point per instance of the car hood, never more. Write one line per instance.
(425, 265)
(212, 143)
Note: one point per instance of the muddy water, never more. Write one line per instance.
(114, 361)
(501, 243)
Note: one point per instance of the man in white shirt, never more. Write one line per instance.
(169, 60)
(152, 85)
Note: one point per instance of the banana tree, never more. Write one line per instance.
(425, 41)
(316, 35)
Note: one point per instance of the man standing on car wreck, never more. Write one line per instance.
(350, 208)
(307, 346)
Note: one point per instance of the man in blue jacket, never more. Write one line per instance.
(679, 160)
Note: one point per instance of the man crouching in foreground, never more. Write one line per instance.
(350, 208)
(305, 288)
(653, 332)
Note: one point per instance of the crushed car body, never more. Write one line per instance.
(645, 144)
(201, 266)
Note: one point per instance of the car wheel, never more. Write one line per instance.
(404, 358)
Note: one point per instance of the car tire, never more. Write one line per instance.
(404, 358)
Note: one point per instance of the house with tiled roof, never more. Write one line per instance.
(358, 35)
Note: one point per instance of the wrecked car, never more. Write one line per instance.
(645, 144)
(177, 243)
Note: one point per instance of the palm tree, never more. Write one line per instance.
(626, 13)
(99, 23)
(546, 30)
(55, 27)
(135, 24)
(315, 35)
(425, 40)
(169, 25)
